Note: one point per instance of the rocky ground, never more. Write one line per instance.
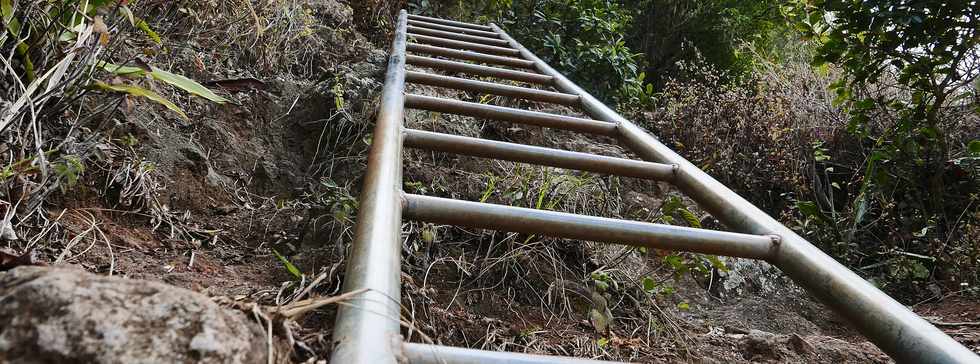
(195, 274)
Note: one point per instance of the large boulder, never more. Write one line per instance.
(63, 315)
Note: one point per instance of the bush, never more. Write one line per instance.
(63, 84)
(781, 141)
(583, 39)
(907, 84)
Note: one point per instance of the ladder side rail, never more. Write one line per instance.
(894, 328)
(367, 329)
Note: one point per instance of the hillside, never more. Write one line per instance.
(251, 203)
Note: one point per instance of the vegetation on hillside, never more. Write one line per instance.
(856, 122)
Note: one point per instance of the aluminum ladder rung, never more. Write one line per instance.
(469, 55)
(589, 228)
(447, 28)
(475, 69)
(515, 152)
(493, 112)
(491, 88)
(457, 36)
(458, 44)
(438, 354)
(447, 22)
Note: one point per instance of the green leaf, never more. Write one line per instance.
(919, 271)
(691, 219)
(860, 208)
(673, 203)
(974, 147)
(142, 25)
(429, 233)
(601, 286)
(810, 209)
(683, 306)
(173, 79)
(6, 11)
(186, 84)
(142, 92)
(602, 342)
(649, 284)
(675, 261)
(717, 263)
(289, 265)
(122, 70)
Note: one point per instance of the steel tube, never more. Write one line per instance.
(493, 112)
(475, 69)
(457, 36)
(894, 328)
(367, 326)
(590, 228)
(450, 22)
(514, 152)
(457, 44)
(436, 354)
(491, 88)
(448, 28)
(469, 56)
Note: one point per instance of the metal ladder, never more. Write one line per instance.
(367, 329)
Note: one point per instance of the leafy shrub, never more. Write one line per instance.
(748, 138)
(583, 39)
(781, 141)
(670, 31)
(53, 128)
(907, 84)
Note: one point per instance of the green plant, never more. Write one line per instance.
(138, 91)
(491, 186)
(670, 33)
(906, 64)
(290, 267)
(69, 169)
(337, 200)
(178, 81)
(603, 282)
(683, 263)
(584, 39)
(68, 24)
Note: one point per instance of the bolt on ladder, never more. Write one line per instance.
(367, 329)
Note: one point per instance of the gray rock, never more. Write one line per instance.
(62, 315)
